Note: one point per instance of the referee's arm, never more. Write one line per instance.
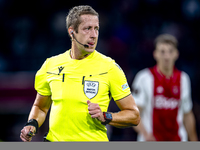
(129, 114)
(40, 108)
(38, 112)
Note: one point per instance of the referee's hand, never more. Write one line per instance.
(95, 111)
(27, 132)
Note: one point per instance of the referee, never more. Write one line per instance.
(78, 86)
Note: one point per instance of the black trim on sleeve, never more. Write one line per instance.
(123, 97)
(43, 95)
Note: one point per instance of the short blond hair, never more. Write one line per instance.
(73, 17)
(166, 38)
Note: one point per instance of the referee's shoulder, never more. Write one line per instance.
(56, 58)
(104, 58)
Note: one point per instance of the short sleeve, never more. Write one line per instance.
(41, 84)
(186, 93)
(119, 87)
(138, 89)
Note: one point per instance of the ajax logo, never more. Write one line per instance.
(160, 89)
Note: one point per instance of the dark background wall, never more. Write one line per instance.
(31, 31)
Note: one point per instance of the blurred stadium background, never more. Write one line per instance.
(31, 31)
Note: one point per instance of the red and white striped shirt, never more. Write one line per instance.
(164, 102)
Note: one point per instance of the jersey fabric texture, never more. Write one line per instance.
(164, 102)
(70, 83)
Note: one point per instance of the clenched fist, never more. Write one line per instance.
(95, 111)
(27, 132)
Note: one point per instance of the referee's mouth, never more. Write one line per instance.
(91, 44)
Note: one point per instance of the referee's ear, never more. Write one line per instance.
(70, 31)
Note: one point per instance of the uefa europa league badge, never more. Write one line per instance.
(91, 88)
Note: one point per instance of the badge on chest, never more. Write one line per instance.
(91, 88)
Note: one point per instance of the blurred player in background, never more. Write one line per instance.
(163, 96)
(78, 85)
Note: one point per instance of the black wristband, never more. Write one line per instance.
(32, 122)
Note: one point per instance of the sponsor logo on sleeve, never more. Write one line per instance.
(125, 86)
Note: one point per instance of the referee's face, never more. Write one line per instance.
(88, 32)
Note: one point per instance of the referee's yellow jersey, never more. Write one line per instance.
(71, 83)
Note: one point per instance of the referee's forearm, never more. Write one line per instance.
(40, 108)
(125, 118)
(38, 114)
